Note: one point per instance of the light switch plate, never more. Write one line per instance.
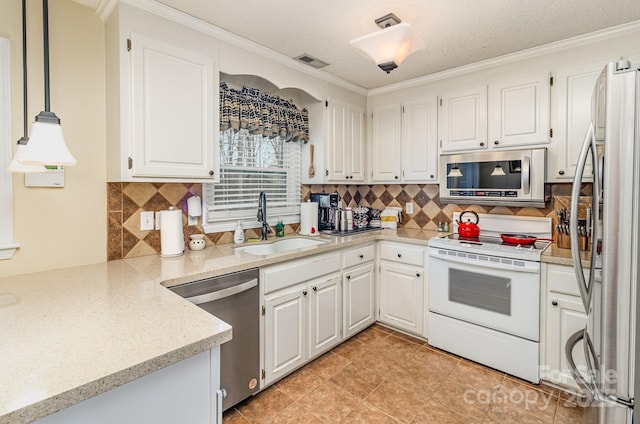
(146, 221)
(409, 208)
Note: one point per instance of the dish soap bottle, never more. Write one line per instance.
(279, 228)
(238, 236)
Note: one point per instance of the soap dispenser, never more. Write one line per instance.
(238, 236)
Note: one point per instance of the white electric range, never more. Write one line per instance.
(484, 295)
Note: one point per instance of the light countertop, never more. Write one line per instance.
(70, 334)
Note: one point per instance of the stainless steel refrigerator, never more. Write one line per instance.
(609, 287)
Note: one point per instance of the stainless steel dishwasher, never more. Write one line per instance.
(234, 298)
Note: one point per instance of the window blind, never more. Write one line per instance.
(250, 164)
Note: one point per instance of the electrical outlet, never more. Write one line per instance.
(409, 208)
(146, 221)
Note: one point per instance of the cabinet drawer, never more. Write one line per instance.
(289, 273)
(412, 255)
(357, 256)
(561, 279)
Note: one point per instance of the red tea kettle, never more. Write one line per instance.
(468, 229)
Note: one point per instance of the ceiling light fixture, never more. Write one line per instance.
(389, 46)
(16, 166)
(454, 171)
(46, 145)
(497, 171)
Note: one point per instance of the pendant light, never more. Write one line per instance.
(454, 171)
(15, 165)
(46, 145)
(497, 171)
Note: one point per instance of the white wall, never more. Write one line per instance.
(61, 227)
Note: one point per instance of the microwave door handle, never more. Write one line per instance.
(586, 386)
(583, 286)
(526, 175)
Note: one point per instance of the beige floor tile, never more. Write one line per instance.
(441, 414)
(476, 376)
(502, 416)
(296, 414)
(383, 328)
(425, 370)
(330, 402)
(568, 413)
(462, 399)
(524, 398)
(371, 334)
(399, 347)
(328, 365)
(368, 414)
(353, 350)
(232, 416)
(357, 380)
(397, 401)
(299, 383)
(409, 338)
(265, 405)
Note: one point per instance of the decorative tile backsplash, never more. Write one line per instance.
(126, 201)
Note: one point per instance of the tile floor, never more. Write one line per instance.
(383, 376)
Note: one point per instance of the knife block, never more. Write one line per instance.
(564, 242)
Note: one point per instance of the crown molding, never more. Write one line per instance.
(554, 47)
(107, 6)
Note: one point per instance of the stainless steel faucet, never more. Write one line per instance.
(262, 214)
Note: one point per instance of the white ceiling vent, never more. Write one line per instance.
(311, 61)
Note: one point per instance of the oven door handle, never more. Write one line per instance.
(526, 175)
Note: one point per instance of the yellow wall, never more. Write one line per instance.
(61, 227)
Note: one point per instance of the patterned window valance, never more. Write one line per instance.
(262, 113)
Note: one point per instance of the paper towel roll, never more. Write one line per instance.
(171, 235)
(309, 219)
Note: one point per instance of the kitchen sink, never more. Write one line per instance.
(280, 246)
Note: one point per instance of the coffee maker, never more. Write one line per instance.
(328, 204)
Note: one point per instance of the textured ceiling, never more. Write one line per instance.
(455, 32)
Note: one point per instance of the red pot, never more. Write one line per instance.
(467, 228)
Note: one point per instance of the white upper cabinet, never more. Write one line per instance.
(571, 98)
(162, 100)
(463, 122)
(404, 142)
(515, 114)
(386, 144)
(174, 102)
(419, 140)
(345, 142)
(519, 110)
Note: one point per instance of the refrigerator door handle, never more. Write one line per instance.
(587, 387)
(584, 286)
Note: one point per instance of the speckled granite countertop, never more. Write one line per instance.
(556, 255)
(70, 334)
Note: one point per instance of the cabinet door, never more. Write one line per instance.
(355, 147)
(565, 316)
(571, 99)
(419, 141)
(285, 332)
(337, 160)
(175, 109)
(463, 124)
(386, 144)
(358, 299)
(325, 315)
(519, 110)
(401, 296)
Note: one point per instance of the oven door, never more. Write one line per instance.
(498, 293)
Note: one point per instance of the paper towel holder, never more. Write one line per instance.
(194, 209)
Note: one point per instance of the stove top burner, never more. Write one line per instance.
(491, 246)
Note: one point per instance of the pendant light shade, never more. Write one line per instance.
(454, 171)
(389, 47)
(497, 171)
(46, 145)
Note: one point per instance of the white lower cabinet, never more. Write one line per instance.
(401, 287)
(184, 392)
(325, 313)
(564, 316)
(358, 297)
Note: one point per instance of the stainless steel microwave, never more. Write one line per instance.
(505, 177)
